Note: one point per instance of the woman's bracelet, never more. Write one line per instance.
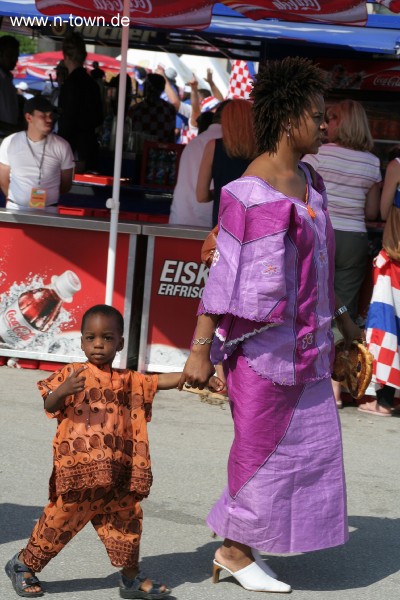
(340, 311)
(202, 341)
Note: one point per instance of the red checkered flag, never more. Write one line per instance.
(241, 79)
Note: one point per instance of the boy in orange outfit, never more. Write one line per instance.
(102, 465)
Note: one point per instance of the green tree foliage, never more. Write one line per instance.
(27, 44)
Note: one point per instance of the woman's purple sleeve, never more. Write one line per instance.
(247, 277)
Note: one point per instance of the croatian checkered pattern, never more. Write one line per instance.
(383, 323)
(240, 81)
(187, 135)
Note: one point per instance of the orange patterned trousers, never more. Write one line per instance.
(115, 515)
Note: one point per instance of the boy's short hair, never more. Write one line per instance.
(107, 311)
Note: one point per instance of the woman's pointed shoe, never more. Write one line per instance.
(262, 564)
(252, 578)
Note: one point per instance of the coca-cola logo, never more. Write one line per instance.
(21, 331)
(301, 5)
(141, 6)
(387, 80)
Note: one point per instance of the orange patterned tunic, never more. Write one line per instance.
(101, 439)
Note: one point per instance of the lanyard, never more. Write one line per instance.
(39, 164)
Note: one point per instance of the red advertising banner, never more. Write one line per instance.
(49, 277)
(178, 279)
(196, 14)
(381, 75)
(343, 12)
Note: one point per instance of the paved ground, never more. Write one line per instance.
(189, 442)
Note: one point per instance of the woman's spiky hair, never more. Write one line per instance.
(283, 91)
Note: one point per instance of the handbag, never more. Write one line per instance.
(353, 370)
(209, 246)
(210, 243)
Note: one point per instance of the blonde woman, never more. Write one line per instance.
(352, 178)
(226, 159)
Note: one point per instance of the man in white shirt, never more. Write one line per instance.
(36, 166)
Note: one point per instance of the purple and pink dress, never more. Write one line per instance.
(272, 283)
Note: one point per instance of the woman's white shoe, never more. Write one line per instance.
(252, 578)
(263, 565)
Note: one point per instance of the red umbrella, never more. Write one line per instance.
(196, 14)
(42, 64)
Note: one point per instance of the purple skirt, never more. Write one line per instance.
(286, 489)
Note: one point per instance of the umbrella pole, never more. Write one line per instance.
(113, 202)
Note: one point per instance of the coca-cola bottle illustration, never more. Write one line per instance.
(35, 310)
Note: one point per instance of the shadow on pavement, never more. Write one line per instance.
(368, 557)
(17, 521)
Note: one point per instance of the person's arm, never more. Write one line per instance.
(72, 385)
(4, 178)
(204, 179)
(66, 180)
(372, 202)
(390, 184)
(214, 89)
(199, 368)
(194, 101)
(169, 381)
(349, 330)
(173, 97)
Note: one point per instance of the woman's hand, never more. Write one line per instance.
(349, 330)
(197, 371)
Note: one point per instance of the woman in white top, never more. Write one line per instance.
(352, 178)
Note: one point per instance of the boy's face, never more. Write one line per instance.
(101, 339)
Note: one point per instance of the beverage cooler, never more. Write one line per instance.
(52, 269)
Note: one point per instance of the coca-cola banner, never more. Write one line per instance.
(358, 74)
(177, 282)
(196, 14)
(49, 276)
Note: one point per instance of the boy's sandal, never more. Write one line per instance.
(15, 570)
(130, 588)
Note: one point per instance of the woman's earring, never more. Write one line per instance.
(288, 128)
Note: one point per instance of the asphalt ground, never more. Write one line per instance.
(189, 441)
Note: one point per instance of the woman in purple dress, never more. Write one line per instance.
(266, 312)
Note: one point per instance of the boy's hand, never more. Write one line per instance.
(215, 384)
(74, 383)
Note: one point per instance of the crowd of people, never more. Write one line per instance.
(291, 184)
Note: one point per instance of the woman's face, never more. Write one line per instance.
(332, 119)
(310, 133)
